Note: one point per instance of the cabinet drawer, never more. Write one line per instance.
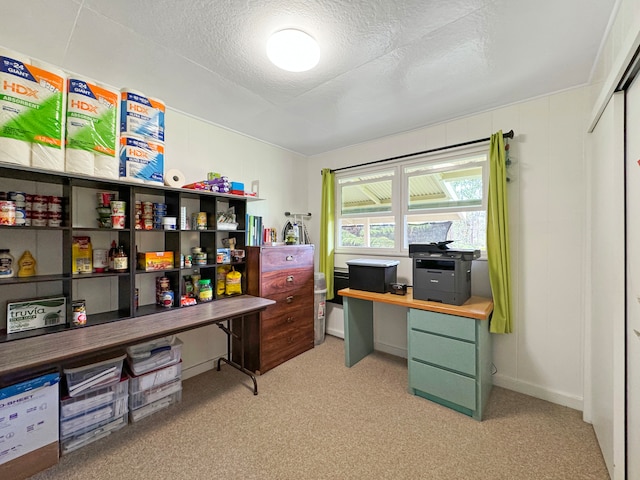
(285, 348)
(288, 303)
(279, 281)
(284, 325)
(447, 385)
(279, 258)
(443, 351)
(443, 324)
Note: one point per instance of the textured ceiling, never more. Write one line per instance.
(385, 67)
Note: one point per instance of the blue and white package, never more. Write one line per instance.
(141, 160)
(141, 115)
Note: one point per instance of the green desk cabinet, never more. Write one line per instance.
(449, 360)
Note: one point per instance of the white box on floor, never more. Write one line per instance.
(29, 410)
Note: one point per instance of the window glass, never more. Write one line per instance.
(432, 199)
(366, 193)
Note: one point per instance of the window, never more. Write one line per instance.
(366, 218)
(429, 199)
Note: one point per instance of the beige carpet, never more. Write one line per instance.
(316, 419)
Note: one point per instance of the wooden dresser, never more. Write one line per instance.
(283, 274)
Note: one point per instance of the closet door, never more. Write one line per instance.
(606, 292)
(632, 330)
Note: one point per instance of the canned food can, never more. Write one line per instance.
(104, 198)
(18, 197)
(166, 299)
(7, 212)
(79, 313)
(200, 221)
(54, 219)
(39, 219)
(54, 204)
(40, 203)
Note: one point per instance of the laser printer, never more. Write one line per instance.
(441, 274)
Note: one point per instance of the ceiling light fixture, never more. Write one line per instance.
(293, 50)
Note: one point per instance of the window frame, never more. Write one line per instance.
(400, 193)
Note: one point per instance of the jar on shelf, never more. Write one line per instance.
(205, 291)
(7, 264)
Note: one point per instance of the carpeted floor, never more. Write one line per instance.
(316, 419)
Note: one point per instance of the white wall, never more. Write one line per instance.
(544, 355)
(196, 147)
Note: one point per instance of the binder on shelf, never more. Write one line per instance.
(254, 230)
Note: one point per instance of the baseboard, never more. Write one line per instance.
(335, 332)
(198, 369)
(390, 349)
(559, 398)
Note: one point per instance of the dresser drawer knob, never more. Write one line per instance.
(289, 319)
(290, 299)
(290, 279)
(289, 258)
(290, 340)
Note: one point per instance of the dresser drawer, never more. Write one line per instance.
(285, 347)
(278, 281)
(279, 258)
(443, 351)
(284, 325)
(446, 385)
(287, 303)
(442, 324)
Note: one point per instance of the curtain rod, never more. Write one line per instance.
(509, 134)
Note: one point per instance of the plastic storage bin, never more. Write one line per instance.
(319, 307)
(145, 397)
(155, 378)
(80, 440)
(89, 378)
(92, 419)
(145, 357)
(72, 406)
(135, 415)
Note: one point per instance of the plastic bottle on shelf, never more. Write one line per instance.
(26, 265)
(7, 264)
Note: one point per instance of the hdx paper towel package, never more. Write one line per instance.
(31, 112)
(92, 125)
(141, 160)
(142, 115)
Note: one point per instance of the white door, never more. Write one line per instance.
(633, 278)
(604, 371)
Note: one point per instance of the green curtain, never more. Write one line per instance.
(498, 237)
(327, 227)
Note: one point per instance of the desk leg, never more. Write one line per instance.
(227, 329)
(358, 329)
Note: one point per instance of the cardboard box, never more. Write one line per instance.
(30, 411)
(151, 261)
(36, 313)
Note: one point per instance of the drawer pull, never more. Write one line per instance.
(289, 319)
(289, 299)
(289, 258)
(290, 279)
(290, 340)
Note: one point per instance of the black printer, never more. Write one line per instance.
(441, 274)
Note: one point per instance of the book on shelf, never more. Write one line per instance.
(254, 230)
